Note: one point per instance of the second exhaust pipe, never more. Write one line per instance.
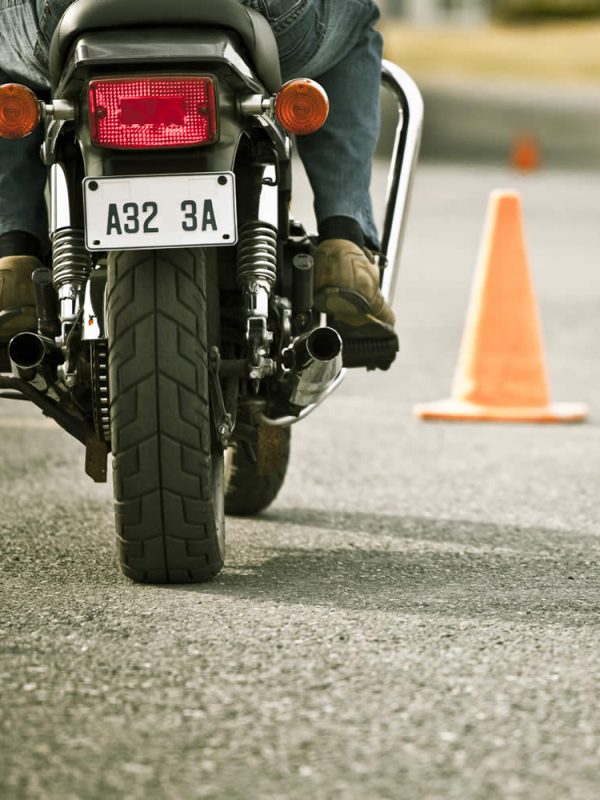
(27, 352)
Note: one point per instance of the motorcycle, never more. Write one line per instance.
(176, 323)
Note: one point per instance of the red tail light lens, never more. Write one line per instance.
(153, 112)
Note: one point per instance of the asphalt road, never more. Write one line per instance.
(417, 616)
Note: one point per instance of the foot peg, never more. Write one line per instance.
(372, 353)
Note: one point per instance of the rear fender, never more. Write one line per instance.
(175, 51)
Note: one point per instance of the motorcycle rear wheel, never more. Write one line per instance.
(251, 486)
(167, 467)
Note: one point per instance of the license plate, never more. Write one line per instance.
(153, 211)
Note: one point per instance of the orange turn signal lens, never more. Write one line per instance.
(20, 111)
(302, 106)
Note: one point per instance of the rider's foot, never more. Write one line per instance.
(17, 299)
(347, 289)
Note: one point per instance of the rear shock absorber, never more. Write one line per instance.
(256, 276)
(71, 265)
(257, 266)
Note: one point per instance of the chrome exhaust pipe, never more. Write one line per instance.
(317, 362)
(314, 361)
(320, 344)
(27, 352)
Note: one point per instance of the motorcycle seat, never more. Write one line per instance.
(95, 15)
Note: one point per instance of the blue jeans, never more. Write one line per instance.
(331, 41)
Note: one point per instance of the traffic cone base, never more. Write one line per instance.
(456, 410)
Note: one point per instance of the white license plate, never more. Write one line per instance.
(152, 211)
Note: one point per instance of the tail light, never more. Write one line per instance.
(20, 111)
(128, 113)
(302, 106)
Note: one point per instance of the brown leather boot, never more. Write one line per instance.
(347, 288)
(17, 300)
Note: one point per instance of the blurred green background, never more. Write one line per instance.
(532, 9)
(500, 9)
(554, 41)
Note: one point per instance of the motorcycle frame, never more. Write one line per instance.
(95, 53)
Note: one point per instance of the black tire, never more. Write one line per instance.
(167, 471)
(251, 487)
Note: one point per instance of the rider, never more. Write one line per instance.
(332, 41)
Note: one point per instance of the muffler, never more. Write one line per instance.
(315, 359)
(28, 351)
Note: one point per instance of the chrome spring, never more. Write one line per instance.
(257, 254)
(71, 262)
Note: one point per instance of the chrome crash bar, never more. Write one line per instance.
(402, 169)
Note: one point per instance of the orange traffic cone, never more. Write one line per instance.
(500, 373)
(525, 155)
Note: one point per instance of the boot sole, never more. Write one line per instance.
(350, 309)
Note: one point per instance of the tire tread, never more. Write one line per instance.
(166, 516)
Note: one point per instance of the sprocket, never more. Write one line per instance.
(100, 394)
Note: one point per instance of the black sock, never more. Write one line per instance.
(20, 243)
(341, 228)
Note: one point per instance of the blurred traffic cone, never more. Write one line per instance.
(525, 155)
(500, 373)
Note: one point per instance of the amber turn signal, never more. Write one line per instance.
(20, 111)
(302, 106)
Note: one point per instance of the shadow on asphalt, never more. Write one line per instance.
(431, 529)
(352, 560)
(454, 567)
